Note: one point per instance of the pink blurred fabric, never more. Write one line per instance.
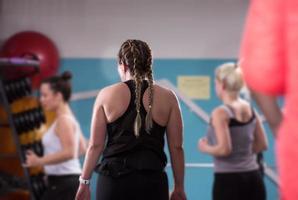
(269, 54)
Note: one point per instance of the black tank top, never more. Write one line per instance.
(124, 152)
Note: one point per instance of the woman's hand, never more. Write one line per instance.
(178, 194)
(203, 144)
(32, 160)
(83, 192)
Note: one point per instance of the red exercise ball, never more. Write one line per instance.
(34, 45)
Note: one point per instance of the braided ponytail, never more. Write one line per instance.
(138, 120)
(149, 121)
(136, 54)
(138, 85)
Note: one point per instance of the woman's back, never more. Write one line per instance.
(117, 98)
(145, 151)
(242, 125)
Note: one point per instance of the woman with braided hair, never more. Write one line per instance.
(134, 116)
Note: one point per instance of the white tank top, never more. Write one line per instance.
(52, 144)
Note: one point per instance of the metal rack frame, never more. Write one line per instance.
(34, 66)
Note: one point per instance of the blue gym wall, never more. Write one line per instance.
(90, 74)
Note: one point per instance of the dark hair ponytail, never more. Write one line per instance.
(66, 76)
(61, 84)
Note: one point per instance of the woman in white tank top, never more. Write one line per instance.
(63, 142)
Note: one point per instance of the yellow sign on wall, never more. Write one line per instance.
(195, 87)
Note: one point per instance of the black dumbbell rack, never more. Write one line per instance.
(9, 67)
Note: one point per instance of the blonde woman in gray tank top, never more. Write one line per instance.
(234, 136)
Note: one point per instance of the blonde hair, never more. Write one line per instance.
(230, 75)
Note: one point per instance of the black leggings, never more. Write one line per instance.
(239, 186)
(137, 185)
(61, 187)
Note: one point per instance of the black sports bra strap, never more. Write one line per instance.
(131, 85)
(232, 112)
(144, 87)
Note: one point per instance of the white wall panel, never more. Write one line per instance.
(90, 28)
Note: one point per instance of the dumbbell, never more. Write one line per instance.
(21, 123)
(28, 123)
(32, 120)
(41, 114)
(30, 145)
(36, 117)
(17, 124)
(28, 120)
(26, 85)
(19, 92)
(38, 148)
(24, 149)
(17, 89)
(10, 93)
(33, 144)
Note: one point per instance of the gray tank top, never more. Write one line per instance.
(242, 157)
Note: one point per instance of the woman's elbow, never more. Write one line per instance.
(265, 147)
(83, 149)
(260, 148)
(68, 155)
(225, 151)
(94, 147)
(84, 145)
(176, 148)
